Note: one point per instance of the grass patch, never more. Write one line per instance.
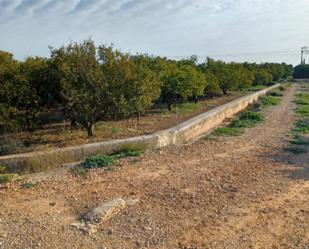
(276, 93)
(2, 169)
(5, 178)
(256, 88)
(302, 126)
(303, 111)
(284, 86)
(106, 161)
(99, 161)
(300, 141)
(227, 131)
(116, 130)
(296, 150)
(235, 128)
(269, 100)
(186, 107)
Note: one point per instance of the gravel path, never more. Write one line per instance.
(234, 192)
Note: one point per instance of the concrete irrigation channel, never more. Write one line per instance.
(185, 132)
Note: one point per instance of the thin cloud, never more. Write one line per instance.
(174, 27)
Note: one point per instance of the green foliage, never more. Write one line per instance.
(84, 84)
(256, 88)
(269, 100)
(227, 131)
(186, 107)
(296, 150)
(300, 141)
(2, 169)
(181, 83)
(262, 77)
(301, 72)
(27, 185)
(99, 161)
(98, 84)
(116, 130)
(132, 85)
(302, 126)
(105, 161)
(245, 120)
(276, 93)
(5, 178)
(303, 111)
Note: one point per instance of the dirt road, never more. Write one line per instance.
(235, 192)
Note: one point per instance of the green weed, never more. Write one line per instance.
(296, 150)
(186, 107)
(256, 88)
(269, 100)
(4, 178)
(228, 131)
(106, 161)
(27, 185)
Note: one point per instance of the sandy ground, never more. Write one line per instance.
(234, 192)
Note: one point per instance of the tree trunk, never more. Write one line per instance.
(73, 124)
(90, 129)
(169, 106)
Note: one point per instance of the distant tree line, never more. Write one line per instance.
(94, 84)
(301, 72)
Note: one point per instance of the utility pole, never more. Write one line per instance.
(304, 50)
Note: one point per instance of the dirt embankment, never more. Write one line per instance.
(234, 192)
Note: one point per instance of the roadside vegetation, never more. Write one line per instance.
(252, 116)
(86, 85)
(300, 139)
(106, 162)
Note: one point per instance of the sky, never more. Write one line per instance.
(231, 30)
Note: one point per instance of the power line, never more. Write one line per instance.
(283, 52)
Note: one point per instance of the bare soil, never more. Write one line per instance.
(234, 192)
(59, 134)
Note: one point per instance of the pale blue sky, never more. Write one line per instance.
(224, 29)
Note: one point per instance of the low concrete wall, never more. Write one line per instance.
(182, 133)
